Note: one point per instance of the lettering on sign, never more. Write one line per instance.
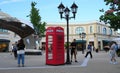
(58, 30)
(49, 30)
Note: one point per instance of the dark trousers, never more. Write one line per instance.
(89, 52)
(15, 53)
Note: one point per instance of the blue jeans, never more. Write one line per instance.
(21, 57)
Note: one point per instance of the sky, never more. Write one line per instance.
(88, 10)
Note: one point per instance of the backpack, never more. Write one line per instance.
(14, 48)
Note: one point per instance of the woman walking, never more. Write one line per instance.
(112, 53)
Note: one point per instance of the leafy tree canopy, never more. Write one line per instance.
(35, 19)
(112, 16)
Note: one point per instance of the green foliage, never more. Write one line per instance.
(112, 16)
(65, 45)
(35, 19)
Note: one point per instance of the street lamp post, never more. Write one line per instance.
(82, 35)
(66, 11)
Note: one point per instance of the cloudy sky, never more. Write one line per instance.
(88, 10)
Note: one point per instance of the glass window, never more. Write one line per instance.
(104, 31)
(28, 41)
(3, 30)
(110, 31)
(79, 30)
(91, 29)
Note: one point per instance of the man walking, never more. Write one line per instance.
(89, 50)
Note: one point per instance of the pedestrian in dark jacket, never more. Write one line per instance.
(21, 52)
(14, 49)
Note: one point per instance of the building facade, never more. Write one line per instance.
(7, 38)
(97, 33)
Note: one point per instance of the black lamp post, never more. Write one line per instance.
(66, 11)
(82, 35)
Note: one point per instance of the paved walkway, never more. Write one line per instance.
(36, 64)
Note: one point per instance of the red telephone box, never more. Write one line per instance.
(55, 46)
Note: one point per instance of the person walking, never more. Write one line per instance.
(11, 49)
(21, 52)
(73, 50)
(89, 50)
(14, 50)
(112, 53)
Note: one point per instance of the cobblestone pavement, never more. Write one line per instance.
(36, 64)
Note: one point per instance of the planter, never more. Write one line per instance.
(33, 52)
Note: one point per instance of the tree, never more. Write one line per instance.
(35, 19)
(112, 16)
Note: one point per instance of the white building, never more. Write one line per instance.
(99, 34)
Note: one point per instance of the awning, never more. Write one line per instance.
(107, 41)
(80, 41)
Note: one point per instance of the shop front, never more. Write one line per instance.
(4, 45)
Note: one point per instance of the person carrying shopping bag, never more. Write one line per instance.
(21, 52)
